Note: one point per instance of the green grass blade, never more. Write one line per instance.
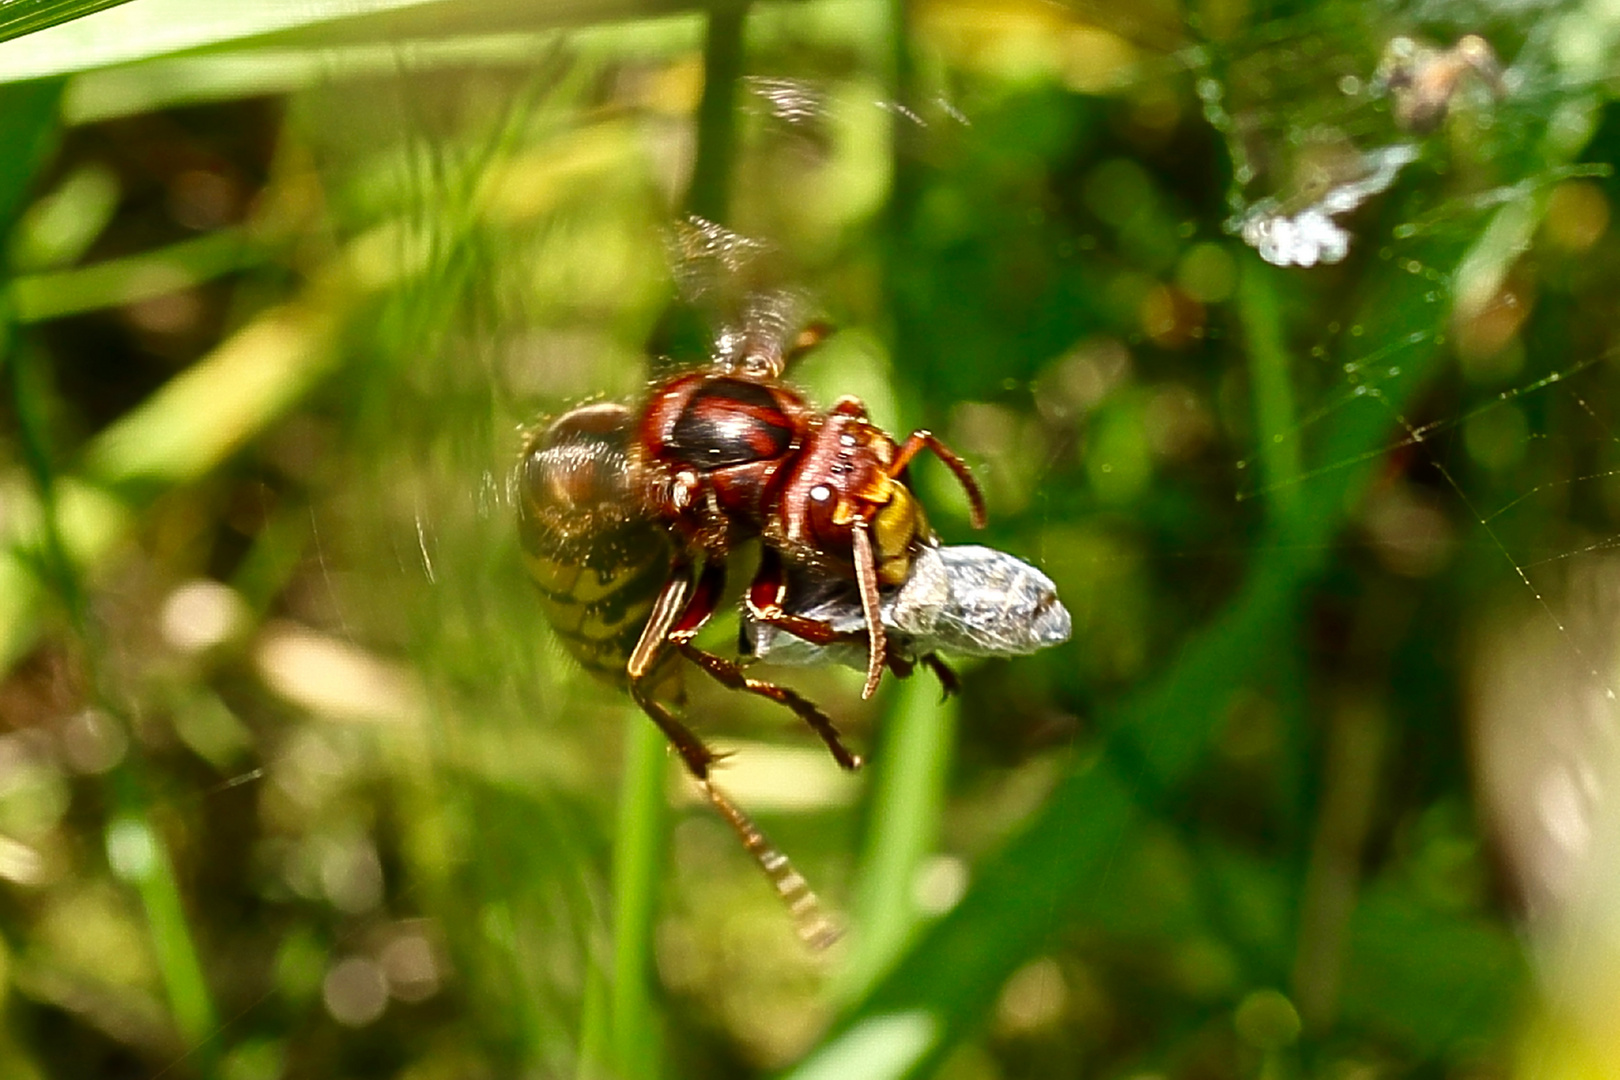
(27, 131)
(1276, 430)
(208, 411)
(638, 861)
(194, 78)
(28, 126)
(138, 277)
(29, 16)
(142, 29)
(146, 29)
(908, 796)
(139, 856)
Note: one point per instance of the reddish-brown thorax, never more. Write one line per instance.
(715, 447)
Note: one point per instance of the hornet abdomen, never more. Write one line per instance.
(597, 558)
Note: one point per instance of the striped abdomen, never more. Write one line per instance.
(596, 556)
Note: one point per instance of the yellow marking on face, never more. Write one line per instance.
(895, 524)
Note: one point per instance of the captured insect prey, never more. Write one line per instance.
(630, 514)
(1426, 81)
(961, 599)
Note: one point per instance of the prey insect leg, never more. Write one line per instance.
(768, 592)
(705, 598)
(729, 674)
(949, 684)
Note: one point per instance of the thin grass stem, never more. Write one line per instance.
(139, 854)
(911, 769)
(638, 862)
(1276, 419)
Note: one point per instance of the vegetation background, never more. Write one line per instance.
(295, 783)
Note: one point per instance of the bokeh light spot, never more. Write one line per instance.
(355, 991)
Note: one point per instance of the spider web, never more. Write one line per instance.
(1506, 451)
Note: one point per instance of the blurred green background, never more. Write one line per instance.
(294, 781)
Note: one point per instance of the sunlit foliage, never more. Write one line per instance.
(1280, 337)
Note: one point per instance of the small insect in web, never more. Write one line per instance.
(961, 599)
(1306, 227)
(1425, 81)
(629, 516)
